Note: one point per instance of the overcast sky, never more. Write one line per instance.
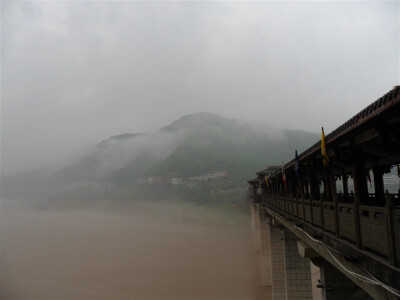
(74, 73)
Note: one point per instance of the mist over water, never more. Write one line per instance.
(136, 251)
(106, 104)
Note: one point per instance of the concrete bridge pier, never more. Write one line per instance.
(298, 270)
(265, 254)
(261, 243)
(335, 285)
(255, 225)
(281, 265)
(279, 281)
(290, 272)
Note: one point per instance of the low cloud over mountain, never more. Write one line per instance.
(193, 145)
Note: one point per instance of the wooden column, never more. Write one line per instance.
(345, 178)
(307, 191)
(314, 187)
(379, 187)
(293, 184)
(360, 188)
(331, 183)
(335, 203)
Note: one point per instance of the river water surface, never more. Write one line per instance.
(127, 254)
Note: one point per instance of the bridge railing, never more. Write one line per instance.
(377, 229)
(374, 229)
(347, 222)
(328, 212)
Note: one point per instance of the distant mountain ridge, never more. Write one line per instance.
(119, 137)
(199, 119)
(193, 145)
(216, 143)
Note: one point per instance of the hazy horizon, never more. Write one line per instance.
(165, 215)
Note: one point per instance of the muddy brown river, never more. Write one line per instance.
(127, 254)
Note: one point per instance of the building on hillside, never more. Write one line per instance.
(176, 181)
(158, 180)
(195, 178)
(216, 175)
(221, 173)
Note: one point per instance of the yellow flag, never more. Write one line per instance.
(325, 158)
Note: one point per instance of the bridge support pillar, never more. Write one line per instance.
(265, 254)
(261, 243)
(298, 270)
(278, 263)
(255, 225)
(336, 286)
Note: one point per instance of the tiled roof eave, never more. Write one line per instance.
(377, 107)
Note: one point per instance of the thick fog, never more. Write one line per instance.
(75, 73)
(113, 154)
(81, 218)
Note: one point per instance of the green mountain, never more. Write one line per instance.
(191, 146)
(207, 142)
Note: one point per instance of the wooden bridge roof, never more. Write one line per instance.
(378, 120)
(270, 169)
(255, 180)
